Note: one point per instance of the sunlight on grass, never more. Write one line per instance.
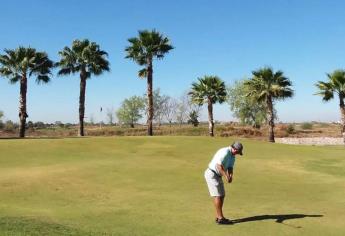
(155, 186)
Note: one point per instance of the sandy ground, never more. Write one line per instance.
(311, 141)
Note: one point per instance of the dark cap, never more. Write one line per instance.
(238, 146)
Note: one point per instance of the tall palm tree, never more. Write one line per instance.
(143, 49)
(210, 90)
(269, 86)
(20, 64)
(85, 58)
(334, 87)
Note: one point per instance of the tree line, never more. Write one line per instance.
(167, 109)
(87, 59)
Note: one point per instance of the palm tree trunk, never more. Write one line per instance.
(210, 117)
(342, 111)
(22, 106)
(150, 97)
(82, 101)
(270, 117)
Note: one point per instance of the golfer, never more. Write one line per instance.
(222, 164)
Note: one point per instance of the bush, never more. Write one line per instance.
(290, 129)
(193, 118)
(68, 125)
(29, 125)
(240, 131)
(59, 124)
(39, 125)
(10, 126)
(307, 125)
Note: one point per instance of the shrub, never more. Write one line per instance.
(39, 125)
(10, 126)
(29, 125)
(193, 118)
(68, 125)
(290, 129)
(307, 125)
(241, 131)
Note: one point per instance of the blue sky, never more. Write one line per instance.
(228, 38)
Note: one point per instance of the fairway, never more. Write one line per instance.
(155, 186)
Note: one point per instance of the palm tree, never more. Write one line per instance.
(269, 86)
(210, 90)
(334, 87)
(20, 64)
(143, 49)
(85, 58)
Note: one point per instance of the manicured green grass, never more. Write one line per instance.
(155, 186)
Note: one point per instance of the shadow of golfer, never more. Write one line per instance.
(277, 218)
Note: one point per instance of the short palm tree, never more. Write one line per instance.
(334, 87)
(268, 86)
(143, 49)
(209, 90)
(20, 64)
(85, 58)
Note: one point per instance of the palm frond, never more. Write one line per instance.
(142, 73)
(326, 90)
(14, 78)
(65, 71)
(42, 79)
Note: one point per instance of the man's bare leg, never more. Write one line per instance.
(218, 203)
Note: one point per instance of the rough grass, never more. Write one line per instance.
(221, 130)
(155, 186)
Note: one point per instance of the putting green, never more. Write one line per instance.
(155, 186)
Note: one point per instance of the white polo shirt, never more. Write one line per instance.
(222, 157)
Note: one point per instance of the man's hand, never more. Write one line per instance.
(226, 173)
(229, 174)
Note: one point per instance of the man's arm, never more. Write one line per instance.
(224, 173)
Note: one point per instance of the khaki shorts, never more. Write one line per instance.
(214, 183)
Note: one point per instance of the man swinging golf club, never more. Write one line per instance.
(222, 164)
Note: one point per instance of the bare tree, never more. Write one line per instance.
(110, 115)
(169, 108)
(183, 106)
(158, 103)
